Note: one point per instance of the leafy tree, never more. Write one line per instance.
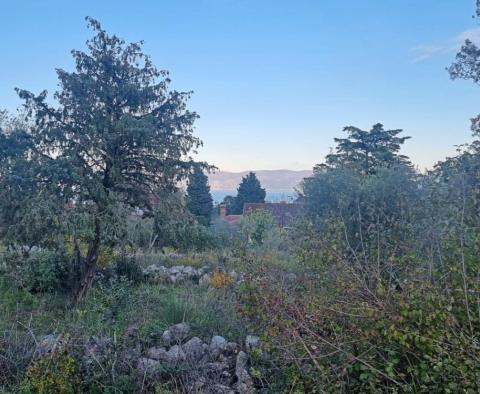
(249, 190)
(366, 151)
(199, 199)
(117, 134)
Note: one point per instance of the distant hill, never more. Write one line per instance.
(272, 180)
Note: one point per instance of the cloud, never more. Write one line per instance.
(427, 51)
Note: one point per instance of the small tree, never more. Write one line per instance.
(249, 190)
(199, 199)
(117, 135)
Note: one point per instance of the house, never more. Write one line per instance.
(283, 212)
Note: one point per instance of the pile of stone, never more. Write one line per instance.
(175, 274)
(182, 273)
(215, 367)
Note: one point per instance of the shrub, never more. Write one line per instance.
(128, 267)
(56, 373)
(220, 279)
(46, 271)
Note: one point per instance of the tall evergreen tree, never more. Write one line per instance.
(117, 134)
(249, 190)
(199, 199)
(366, 151)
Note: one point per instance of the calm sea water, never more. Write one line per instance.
(276, 196)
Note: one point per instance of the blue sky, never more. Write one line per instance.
(274, 80)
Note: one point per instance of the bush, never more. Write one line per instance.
(128, 267)
(56, 373)
(44, 271)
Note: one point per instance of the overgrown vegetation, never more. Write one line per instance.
(375, 288)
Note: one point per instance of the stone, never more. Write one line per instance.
(193, 349)
(218, 342)
(175, 355)
(204, 280)
(218, 345)
(216, 367)
(176, 334)
(222, 389)
(252, 342)
(189, 271)
(244, 380)
(158, 353)
(177, 269)
(147, 364)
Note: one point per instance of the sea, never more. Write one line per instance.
(272, 196)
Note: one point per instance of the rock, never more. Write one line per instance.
(156, 273)
(244, 380)
(252, 342)
(145, 364)
(47, 345)
(158, 353)
(177, 269)
(189, 271)
(218, 344)
(175, 355)
(176, 334)
(204, 280)
(222, 389)
(216, 368)
(194, 349)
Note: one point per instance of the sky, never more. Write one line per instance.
(274, 81)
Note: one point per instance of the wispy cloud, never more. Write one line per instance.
(427, 51)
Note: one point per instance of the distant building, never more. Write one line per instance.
(284, 213)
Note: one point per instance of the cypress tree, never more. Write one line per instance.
(249, 190)
(199, 199)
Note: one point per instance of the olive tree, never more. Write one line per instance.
(115, 135)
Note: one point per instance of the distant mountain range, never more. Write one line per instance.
(271, 180)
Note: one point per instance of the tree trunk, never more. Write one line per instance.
(90, 264)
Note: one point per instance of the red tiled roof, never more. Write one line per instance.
(231, 219)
